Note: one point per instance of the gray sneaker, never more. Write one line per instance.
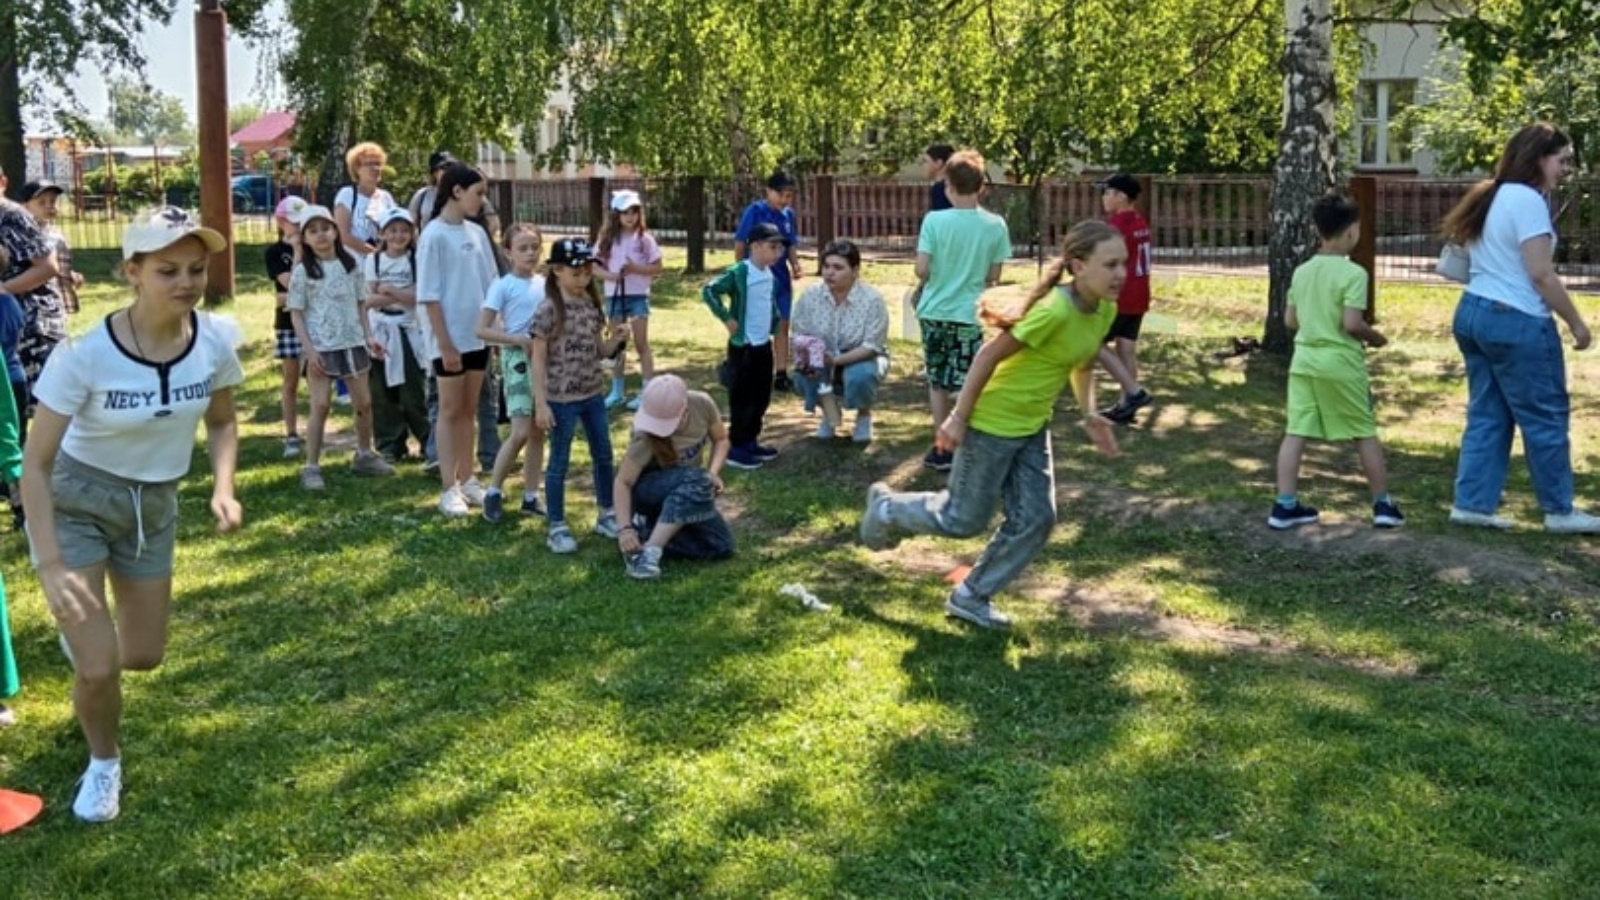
(964, 606)
(874, 530)
(560, 539)
(311, 478)
(1571, 523)
(645, 564)
(606, 525)
(370, 464)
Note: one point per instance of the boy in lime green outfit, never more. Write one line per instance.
(1330, 398)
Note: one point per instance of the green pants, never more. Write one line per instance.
(401, 410)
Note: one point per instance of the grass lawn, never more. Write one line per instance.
(363, 700)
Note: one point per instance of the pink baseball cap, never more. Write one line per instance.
(661, 406)
(290, 208)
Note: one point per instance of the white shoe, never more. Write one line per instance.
(472, 492)
(824, 430)
(99, 795)
(1572, 523)
(863, 430)
(452, 505)
(1459, 516)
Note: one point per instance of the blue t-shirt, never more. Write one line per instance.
(761, 211)
(10, 333)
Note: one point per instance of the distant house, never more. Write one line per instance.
(272, 134)
(1401, 59)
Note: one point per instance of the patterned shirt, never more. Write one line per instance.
(65, 288)
(862, 320)
(25, 242)
(572, 358)
(331, 304)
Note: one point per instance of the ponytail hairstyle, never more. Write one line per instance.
(552, 293)
(1078, 244)
(1519, 164)
(455, 176)
(611, 230)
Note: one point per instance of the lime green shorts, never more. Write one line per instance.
(1330, 409)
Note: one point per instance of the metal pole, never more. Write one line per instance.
(216, 196)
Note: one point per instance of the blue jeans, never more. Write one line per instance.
(1516, 378)
(1017, 474)
(684, 495)
(591, 412)
(861, 380)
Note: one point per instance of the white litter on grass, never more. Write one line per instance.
(806, 598)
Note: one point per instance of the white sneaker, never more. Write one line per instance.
(472, 492)
(99, 795)
(1572, 523)
(452, 505)
(863, 430)
(1459, 516)
(824, 430)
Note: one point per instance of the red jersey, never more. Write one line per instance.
(1135, 297)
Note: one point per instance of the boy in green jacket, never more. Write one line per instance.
(743, 300)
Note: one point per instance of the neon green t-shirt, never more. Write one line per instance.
(1322, 289)
(1057, 339)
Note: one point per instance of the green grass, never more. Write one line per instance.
(363, 700)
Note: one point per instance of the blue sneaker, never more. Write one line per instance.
(532, 507)
(1284, 518)
(1386, 514)
(764, 452)
(743, 458)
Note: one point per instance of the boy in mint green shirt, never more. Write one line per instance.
(1330, 398)
(959, 252)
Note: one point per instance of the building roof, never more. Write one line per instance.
(274, 126)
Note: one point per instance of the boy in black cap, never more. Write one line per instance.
(776, 210)
(39, 197)
(1117, 196)
(744, 299)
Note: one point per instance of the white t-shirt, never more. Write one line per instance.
(394, 271)
(131, 417)
(516, 300)
(1518, 214)
(758, 306)
(455, 268)
(365, 212)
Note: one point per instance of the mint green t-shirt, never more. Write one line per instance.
(1056, 339)
(1322, 289)
(961, 245)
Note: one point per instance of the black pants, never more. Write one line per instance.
(749, 391)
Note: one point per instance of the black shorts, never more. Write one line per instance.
(471, 361)
(1125, 326)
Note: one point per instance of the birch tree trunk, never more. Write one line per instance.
(1304, 171)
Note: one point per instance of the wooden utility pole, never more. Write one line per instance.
(216, 193)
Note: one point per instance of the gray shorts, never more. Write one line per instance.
(101, 516)
(345, 363)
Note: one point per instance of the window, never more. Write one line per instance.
(1384, 141)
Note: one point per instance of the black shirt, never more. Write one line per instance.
(937, 197)
(280, 261)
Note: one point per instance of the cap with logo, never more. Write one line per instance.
(164, 226)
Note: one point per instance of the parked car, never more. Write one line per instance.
(253, 193)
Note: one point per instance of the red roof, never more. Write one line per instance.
(274, 126)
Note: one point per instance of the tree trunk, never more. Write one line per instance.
(1304, 171)
(13, 150)
(744, 165)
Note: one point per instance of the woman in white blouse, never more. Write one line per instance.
(852, 322)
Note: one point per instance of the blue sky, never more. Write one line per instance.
(170, 55)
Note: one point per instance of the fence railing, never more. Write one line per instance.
(1203, 223)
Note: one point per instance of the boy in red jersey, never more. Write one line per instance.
(1117, 196)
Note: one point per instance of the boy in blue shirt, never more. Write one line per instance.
(776, 210)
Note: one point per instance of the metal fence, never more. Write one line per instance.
(1198, 223)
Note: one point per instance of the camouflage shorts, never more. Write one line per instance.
(948, 349)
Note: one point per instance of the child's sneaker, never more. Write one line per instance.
(494, 506)
(613, 400)
(531, 506)
(863, 430)
(824, 389)
(560, 539)
(370, 464)
(452, 505)
(874, 529)
(743, 458)
(965, 606)
(764, 452)
(606, 525)
(645, 564)
(311, 478)
(1386, 514)
(825, 430)
(1571, 523)
(939, 460)
(472, 492)
(99, 793)
(292, 446)
(1285, 517)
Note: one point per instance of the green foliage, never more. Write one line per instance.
(147, 115)
(137, 187)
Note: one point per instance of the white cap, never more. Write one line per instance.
(164, 226)
(395, 214)
(622, 201)
(313, 211)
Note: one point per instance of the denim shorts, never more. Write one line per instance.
(628, 306)
(101, 516)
